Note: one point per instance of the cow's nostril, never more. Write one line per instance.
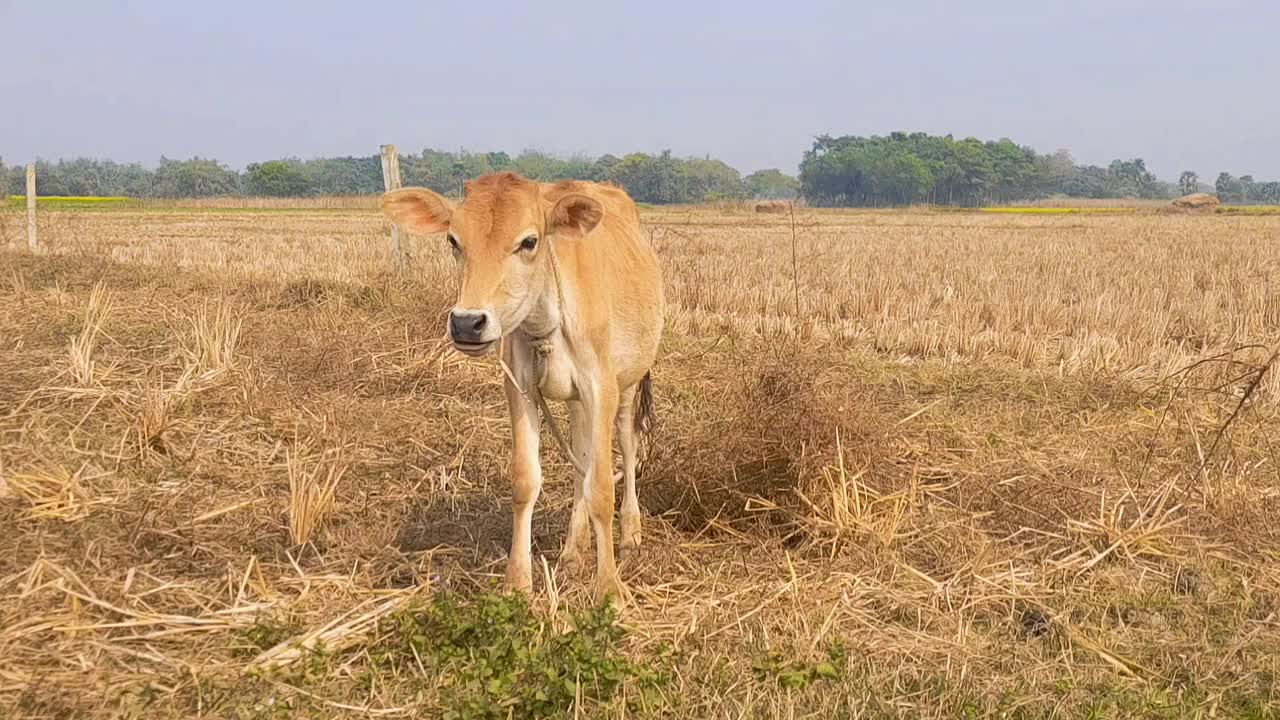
(468, 327)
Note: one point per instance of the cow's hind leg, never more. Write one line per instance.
(626, 429)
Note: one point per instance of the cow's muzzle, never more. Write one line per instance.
(473, 332)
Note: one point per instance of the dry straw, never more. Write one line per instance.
(83, 368)
(996, 464)
(215, 336)
(52, 493)
(312, 485)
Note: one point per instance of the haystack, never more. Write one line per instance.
(1197, 201)
(773, 207)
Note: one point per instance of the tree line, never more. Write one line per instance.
(852, 171)
(1244, 190)
(660, 178)
(907, 168)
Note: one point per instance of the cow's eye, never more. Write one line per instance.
(529, 243)
(453, 242)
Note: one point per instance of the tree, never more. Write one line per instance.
(650, 178)
(11, 184)
(1055, 172)
(434, 169)
(707, 179)
(602, 168)
(976, 172)
(578, 167)
(1130, 178)
(1014, 166)
(898, 178)
(1188, 182)
(277, 178)
(12, 181)
(498, 160)
(1090, 182)
(1247, 189)
(194, 178)
(771, 184)
(344, 175)
(1268, 193)
(905, 168)
(537, 165)
(1228, 187)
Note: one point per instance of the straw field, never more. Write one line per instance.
(906, 464)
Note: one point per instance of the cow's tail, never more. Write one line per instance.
(644, 405)
(643, 421)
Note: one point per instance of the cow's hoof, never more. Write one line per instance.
(612, 590)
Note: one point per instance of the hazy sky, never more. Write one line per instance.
(1185, 84)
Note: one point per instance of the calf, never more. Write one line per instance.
(562, 279)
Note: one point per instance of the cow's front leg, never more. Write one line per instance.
(602, 407)
(578, 538)
(526, 471)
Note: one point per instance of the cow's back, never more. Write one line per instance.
(618, 270)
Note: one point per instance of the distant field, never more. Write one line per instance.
(328, 202)
(1030, 210)
(73, 203)
(1052, 206)
(369, 202)
(1069, 202)
(1118, 209)
(907, 464)
(1250, 209)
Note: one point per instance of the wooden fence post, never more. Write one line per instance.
(31, 206)
(391, 181)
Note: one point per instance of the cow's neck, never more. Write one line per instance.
(544, 321)
(548, 314)
(544, 331)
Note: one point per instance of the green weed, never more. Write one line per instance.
(799, 675)
(493, 657)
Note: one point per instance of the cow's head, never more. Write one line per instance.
(500, 235)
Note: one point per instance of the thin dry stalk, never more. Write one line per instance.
(1246, 392)
(158, 403)
(311, 493)
(1130, 528)
(215, 336)
(153, 420)
(82, 346)
(333, 636)
(851, 508)
(795, 264)
(53, 493)
(18, 285)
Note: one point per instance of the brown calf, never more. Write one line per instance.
(563, 279)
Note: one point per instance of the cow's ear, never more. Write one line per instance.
(574, 216)
(418, 210)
